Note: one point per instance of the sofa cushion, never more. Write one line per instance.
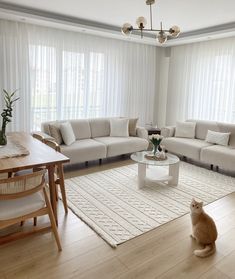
(217, 138)
(132, 126)
(81, 128)
(202, 126)
(54, 131)
(119, 127)
(219, 155)
(185, 130)
(228, 128)
(123, 145)
(190, 148)
(84, 150)
(67, 133)
(100, 127)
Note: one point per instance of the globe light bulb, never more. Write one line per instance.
(141, 22)
(150, 2)
(127, 29)
(174, 31)
(162, 37)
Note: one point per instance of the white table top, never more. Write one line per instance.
(139, 157)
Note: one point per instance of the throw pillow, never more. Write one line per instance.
(228, 128)
(132, 126)
(119, 127)
(185, 130)
(217, 137)
(67, 133)
(55, 132)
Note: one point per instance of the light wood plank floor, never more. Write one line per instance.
(166, 252)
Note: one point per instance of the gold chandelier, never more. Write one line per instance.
(141, 22)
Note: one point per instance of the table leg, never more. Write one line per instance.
(52, 187)
(174, 173)
(62, 187)
(141, 175)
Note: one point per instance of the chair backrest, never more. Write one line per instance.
(38, 137)
(20, 186)
(4, 175)
(52, 144)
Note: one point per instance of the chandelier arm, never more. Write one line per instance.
(138, 29)
(141, 22)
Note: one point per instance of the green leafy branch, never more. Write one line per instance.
(10, 100)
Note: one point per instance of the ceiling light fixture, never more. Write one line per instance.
(141, 22)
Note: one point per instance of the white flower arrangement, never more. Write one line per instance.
(156, 139)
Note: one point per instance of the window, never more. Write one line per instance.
(65, 84)
(43, 84)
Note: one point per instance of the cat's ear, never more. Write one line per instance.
(193, 200)
(201, 204)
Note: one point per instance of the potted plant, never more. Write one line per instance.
(9, 99)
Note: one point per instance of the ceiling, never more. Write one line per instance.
(190, 15)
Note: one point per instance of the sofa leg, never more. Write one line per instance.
(212, 167)
(185, 158)
(217, 168)
(100, 161)
(86, 163)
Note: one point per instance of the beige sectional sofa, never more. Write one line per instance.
(200, 150)
(93, 140)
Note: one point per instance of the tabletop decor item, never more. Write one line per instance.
(13, 149)
(156, 140)
(152, 157)
(9, 99)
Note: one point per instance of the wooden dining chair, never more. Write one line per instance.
(4, 175)
(38, 136)
(59, 173)
(24, 197)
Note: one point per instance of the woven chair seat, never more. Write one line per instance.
(10, 209)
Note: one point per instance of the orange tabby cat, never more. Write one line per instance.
(204, 229)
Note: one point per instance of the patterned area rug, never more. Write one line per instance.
(112, 205)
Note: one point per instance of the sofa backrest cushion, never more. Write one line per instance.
(45, 127)
(81, 128)
(228, 128)
(100, 127)
(185, 129)
(202, 126)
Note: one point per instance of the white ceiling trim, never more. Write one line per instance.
(36, 16)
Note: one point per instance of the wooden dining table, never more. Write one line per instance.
(40, 155)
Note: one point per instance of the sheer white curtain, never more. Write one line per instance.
(14, 71)
(73, 75)
(201, 81)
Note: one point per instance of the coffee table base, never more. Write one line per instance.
(158, 174)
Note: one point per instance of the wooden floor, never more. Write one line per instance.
(166, 252)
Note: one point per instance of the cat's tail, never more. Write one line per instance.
(207, 251)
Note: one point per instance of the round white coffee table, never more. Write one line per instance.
(158, 173)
